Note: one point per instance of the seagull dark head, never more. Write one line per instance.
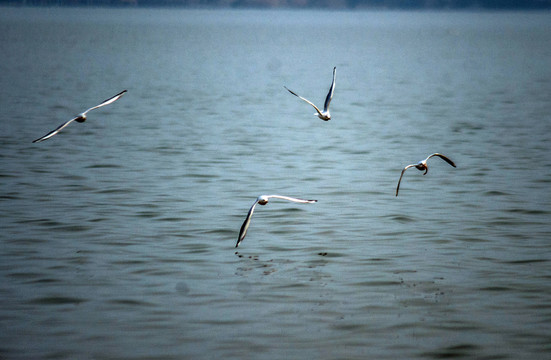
(81, 118)
(262, 200)
(422, 166)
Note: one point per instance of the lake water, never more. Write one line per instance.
(118, 234)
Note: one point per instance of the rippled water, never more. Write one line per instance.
(118, 234)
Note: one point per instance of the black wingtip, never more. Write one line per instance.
(240, 238)
(449, 161)
(291, 91)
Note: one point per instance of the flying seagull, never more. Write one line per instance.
(263, 200)
(324, 115)
(422, 165)
(81, 117)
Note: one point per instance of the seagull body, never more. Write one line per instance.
(80, 117)
(324, 115)
(422, 166)
(263, 200)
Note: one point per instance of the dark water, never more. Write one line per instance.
(118, 234)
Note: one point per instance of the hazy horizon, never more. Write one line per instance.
(331, 4)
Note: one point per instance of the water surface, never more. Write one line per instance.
(118, 234)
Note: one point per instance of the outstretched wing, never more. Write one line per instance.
(330, 93)
(402, 174)
(443, 158)
(107, 101)
(246, 223)
(303, 99)
(53, 132)
(291, 199)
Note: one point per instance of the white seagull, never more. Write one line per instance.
(81, 117)
(422, 165)
(263, 200)
(324, 115)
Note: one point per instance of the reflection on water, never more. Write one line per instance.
(118, 234)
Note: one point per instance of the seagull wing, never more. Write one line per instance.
(443, 158)
(107, 101)
(58, 129)
(246, 224)
(291, 199)
(402, 174)
(303, 99)
(331, 91)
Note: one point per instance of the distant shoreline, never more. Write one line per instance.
(457, 5)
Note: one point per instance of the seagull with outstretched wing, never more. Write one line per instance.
(324, 115)
(422, 166)
(80, 118)
(263, 200)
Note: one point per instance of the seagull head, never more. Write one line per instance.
(81, 118)
(262, 200)
(324, 116)
(422, 165)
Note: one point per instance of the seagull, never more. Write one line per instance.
(422, 165)
(81, 117)
(324, 115)
(263, 200)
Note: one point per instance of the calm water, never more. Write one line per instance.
(118, 234)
